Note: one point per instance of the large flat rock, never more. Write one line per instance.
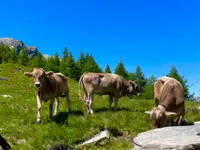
(168, 138)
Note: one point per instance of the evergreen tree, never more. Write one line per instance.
(132, 76)
(81, 62)
(65, 53)
(56, 62)
(107, 70)
(120, 70)
(91, 65)
(174, 74)
(140, 78)
(23, 58)
(38, 60)
(49, 65)
(72, 69)
(13, 56)
(5, 53)
(149, 88)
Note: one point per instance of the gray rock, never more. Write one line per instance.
(168, 138)
(4, 78)
(12, 43)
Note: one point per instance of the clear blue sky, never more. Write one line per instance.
(152, 34)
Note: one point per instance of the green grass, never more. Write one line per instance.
(18, 117)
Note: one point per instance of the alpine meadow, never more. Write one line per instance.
(18, 110)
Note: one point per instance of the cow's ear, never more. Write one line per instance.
(28, 74)
(148, 112)
(49, 73)
(169, 114)
(162, 81)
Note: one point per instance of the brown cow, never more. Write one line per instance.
(51, 86)
(105, 84)
(169, 100)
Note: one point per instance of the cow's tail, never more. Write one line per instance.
(79, 87)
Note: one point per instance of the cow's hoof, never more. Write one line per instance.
(39, 122)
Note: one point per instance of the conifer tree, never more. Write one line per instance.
(120, 70)
(175, 74)
(140, 78)
(23, 58)
(38, 60)
(107, 70)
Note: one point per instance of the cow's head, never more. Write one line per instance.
(38, 76)
(159, 117)
(133, 88)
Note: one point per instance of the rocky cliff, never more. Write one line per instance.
(12, 43)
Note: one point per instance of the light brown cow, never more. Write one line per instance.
(105, 84)
(169, 100)
(49, 85)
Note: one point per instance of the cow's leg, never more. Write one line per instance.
(68, 103)
(116, 100)
(39, 104)
(179, 120)
(56, 105)
(89, 102)
(51, 107)
(110, 100)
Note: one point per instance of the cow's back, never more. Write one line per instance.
(60, 83)
(172, 95)
(102, 83)
(158, 86)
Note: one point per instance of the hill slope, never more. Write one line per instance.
(18, 117)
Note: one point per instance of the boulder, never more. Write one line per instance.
(168, 138)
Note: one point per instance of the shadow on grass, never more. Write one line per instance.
(119, 109)
(62, 117)
(76, 113)
(61, 147)
(185, 123)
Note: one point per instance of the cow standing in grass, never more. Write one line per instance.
(169, 100)
(105, 84)
(49, 85)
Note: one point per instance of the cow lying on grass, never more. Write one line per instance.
(49, 85)
(169, 100)
(105, 84)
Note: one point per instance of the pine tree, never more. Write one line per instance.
(149, 88)
(65, 53)
(23, 58)
(81, 62)
(140, 78)
(72, 69)
(120, 70)
(56, 62)
(49, 65)
(5, 53)
(175, 74)
(38, 60)
(13, 56)
(107, 70)
(131, 76)
(91, 65)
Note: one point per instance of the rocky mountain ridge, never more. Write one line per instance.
(19, 45)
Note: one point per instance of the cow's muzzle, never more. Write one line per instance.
(37, 84)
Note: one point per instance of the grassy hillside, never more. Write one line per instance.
(18, 117)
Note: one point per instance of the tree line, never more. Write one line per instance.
(86, 63)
